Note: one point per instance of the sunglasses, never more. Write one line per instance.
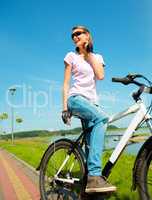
(77, 33)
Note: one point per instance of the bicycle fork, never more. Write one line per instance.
(69, 179)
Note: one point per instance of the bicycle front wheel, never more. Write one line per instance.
(144, 179)
(62, 172)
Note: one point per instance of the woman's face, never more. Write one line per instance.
(80, 37)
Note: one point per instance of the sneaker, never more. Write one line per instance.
(98, 184)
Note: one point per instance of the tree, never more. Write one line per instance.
(3, 116)
(19, 120)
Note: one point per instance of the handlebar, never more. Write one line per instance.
(124, 80)
(130, 79)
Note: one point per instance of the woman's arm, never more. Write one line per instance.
(96, 65)
(66, 84)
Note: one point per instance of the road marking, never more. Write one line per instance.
(21, 192)
(24, 175)
(7, 191)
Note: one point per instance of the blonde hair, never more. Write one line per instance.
(90, 45)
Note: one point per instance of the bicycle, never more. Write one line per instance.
(63, 166)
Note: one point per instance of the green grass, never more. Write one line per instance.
(31, 150)
(121, 176)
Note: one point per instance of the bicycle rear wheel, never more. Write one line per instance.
(62, 172)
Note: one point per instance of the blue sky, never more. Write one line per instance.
(35, 36)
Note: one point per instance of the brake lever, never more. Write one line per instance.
(133, 76)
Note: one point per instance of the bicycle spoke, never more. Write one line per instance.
(54, 161)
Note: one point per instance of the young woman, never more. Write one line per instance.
(80, 99)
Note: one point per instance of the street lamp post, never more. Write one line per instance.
(12, 92)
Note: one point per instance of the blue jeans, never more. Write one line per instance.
(92, 115)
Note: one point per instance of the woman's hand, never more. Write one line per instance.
(86, 47)
(96, 65)
(66, 117)
(83, 45)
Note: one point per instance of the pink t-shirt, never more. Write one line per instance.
(84, 80)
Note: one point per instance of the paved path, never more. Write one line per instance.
(17, 180)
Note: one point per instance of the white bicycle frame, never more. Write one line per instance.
(141, 114)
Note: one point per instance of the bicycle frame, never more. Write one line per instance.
(141, 114)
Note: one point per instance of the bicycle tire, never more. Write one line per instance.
(52, 160)
(144, 173)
